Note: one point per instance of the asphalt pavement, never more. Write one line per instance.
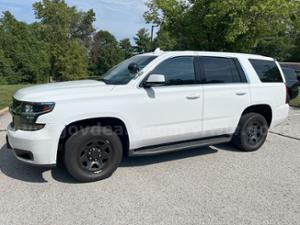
(215, 185)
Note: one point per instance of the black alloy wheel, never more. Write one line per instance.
(255, 132)
(251, 133)
(93, 153)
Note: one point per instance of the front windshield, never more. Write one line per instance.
(120, 73)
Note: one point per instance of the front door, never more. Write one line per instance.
(173, 112)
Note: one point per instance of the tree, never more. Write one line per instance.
(23, 58)
(143, 41)
(127, 48)
(295, 53)
(279, 47)
(165, 40)
(61, 26)
(6, 69)
(221, 25)
(105, 52)
(73, 62)
(82, 26)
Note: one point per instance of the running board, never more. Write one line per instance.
(161, 149)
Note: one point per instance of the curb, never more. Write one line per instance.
(3, 111)
(295, 107)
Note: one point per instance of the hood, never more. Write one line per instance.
(63, 91)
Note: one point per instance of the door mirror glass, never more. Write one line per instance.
(155, 80)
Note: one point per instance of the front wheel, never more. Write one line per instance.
(93, 153)
(251, 133)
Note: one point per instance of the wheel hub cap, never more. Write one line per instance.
(254, 133)
(95, 155)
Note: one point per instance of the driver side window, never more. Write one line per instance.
(177, 71)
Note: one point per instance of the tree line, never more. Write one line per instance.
(268, 27)
(63, 44)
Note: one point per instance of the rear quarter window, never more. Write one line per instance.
(267, 71)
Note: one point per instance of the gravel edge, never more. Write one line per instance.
(3, 111)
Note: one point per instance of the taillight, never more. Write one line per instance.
(287, 98)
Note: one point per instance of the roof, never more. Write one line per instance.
(158, 52)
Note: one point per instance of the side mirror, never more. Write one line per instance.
(133, 68)
(155, 80)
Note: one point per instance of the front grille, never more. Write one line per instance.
(21, 120)
(16, 107)
(17, 121)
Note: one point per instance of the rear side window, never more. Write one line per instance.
(267, 71)
(221, 70)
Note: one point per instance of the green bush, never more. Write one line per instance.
(6, 93)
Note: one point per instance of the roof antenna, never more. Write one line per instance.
(158, 51)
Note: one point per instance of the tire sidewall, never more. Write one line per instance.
(74, 145)
(250, 118)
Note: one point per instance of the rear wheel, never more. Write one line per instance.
(93, 154)
(251, 133)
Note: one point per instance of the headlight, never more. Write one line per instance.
(25, 114)
(37, 108)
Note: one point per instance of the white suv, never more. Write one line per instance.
(149, 104)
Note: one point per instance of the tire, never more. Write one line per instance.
(93, 154)
(251, 133)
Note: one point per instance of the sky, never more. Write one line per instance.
(123, 18)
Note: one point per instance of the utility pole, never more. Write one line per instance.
(152, 35)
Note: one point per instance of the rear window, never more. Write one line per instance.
(267, 71)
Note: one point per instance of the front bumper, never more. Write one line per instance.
(35, 147)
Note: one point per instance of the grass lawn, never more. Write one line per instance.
(296, 101)
(6, 92)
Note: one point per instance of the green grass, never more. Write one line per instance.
(6, 92)
(296, 101)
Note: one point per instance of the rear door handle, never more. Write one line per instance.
(241, 93)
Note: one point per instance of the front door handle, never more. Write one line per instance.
(241, 93)
(193, 97)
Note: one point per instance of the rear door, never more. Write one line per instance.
(226, 94)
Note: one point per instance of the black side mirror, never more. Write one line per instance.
(133, 68)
